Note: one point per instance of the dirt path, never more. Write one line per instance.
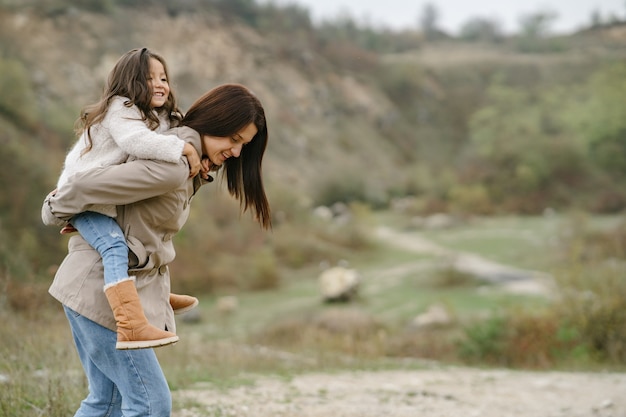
(434, 392)
(507, 277)
(449, 392)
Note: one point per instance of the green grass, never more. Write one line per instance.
(526, 242)
(522, 242)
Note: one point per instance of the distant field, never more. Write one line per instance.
(396, 283)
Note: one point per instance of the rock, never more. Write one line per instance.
(339, 284)
(436, 315)
(227, 305)
(192, 316)
(439, 221)
(323, 213)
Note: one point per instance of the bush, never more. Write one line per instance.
(265, 274)
(472, 199)
(521, 339)
(17, 97)
(592, 302)
(484, 342)
(350, 331)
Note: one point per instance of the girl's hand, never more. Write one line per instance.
(193, 158)
(68, 229)
(206, 167)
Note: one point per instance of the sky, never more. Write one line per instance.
(398, 14)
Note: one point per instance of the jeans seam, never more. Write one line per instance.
(143, 385)
(112, 402)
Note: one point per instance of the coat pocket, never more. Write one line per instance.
(81, 262)
(137, 254)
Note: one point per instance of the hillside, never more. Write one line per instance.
(326, 113)
(354, 114)
(69, 56)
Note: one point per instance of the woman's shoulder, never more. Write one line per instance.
(185, 133)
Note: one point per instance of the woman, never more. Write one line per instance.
(227, 125)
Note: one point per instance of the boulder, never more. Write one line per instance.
(339, 284)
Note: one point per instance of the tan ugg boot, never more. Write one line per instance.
(133, 329)
(182, 303)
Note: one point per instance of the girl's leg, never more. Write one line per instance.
(133, 330)
(129, 383)
(106, 236)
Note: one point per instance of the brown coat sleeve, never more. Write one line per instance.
(117, 185)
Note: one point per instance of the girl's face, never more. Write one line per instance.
(219, 149)
(157, 82)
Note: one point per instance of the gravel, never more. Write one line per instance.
(445, 392)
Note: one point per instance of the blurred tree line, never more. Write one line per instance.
(541, 126)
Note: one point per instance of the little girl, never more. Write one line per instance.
(136, 105)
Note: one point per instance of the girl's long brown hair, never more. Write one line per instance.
(222, 112)
(129, 78)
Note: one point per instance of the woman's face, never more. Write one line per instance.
(158, 84)
(218, 149)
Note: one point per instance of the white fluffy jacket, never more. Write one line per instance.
(120, 134)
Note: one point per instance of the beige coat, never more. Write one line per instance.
(152, 200)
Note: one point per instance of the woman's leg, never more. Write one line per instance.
(121, 382)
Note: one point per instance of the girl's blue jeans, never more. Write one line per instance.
(105, 236)
(122, 383)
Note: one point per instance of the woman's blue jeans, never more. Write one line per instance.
(106, 237)
(122, 383)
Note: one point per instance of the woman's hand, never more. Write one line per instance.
(193, 158)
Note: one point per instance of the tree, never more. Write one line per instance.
(596, 18)
(428, 20)
(534, 33)
(482, 29)
(603, 121)
(536, 25)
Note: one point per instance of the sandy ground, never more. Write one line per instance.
(446, 392)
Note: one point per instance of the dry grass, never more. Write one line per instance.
(40, 374)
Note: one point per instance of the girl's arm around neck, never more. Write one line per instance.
(133, 136)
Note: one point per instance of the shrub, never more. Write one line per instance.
(17, 97)
(472, 198)
(265, 274)
(591, 287)
(592, 302)
(521, 339)
(349, 331)
(484, 342)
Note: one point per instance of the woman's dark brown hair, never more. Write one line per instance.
(222, 112)
(129, 78)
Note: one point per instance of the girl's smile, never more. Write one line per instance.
(159, 86)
